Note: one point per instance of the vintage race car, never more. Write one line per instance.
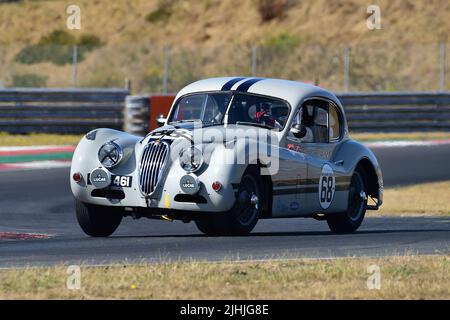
(231, 151)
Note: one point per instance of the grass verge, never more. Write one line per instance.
(37, 139)
(404, 277)
(383, 136)
(428, 199)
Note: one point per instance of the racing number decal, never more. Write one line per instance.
(326, 190)
(327, 185)
(121, 181)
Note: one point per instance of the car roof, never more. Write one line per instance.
(293, 92)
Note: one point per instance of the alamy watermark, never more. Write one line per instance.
(73, 21)
(373, 21)
(374, 279)
(74, 279)
(238, 146)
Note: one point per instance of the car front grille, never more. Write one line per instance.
(153, 161)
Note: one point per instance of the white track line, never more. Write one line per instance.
(47, 164)
(405, 143)
(32, 148)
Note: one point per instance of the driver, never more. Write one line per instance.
(221, 109)
(265, 115)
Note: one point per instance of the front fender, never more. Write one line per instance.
(85, 157)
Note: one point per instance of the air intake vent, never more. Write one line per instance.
(153, 162)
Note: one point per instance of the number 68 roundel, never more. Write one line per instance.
(327, 185)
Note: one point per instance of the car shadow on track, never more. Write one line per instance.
(282, 234)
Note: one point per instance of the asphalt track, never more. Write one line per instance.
(40, 201)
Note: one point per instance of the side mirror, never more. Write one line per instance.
(298, 130)
(160, 121)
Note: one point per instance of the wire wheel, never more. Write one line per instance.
(248, 200)
(243, 216)
(350, 220)
(357, 198)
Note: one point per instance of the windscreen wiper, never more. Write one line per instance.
(184, 121)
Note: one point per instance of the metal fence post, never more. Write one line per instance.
(166, 70)
(74, 65)
(346, 69)
(442, 58)
(254, 57)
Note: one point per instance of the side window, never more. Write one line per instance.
(315, 119)
(321, 121)
(335, 125)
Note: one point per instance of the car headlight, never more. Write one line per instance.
(191, 159)
(110, 154)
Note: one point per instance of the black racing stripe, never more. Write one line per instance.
(247, 84)
(343, 179)
(341, 187)
(290, 182)
(306, 189)
(301, 189)
(286, 183)
(227, 86)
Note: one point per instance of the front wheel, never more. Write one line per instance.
(97, 221)
(244, 215)
(349, 221)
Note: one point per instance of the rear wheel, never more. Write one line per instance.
(97, 221)
(350, 220)
(244, 215)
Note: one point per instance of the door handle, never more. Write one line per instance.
(339, 163)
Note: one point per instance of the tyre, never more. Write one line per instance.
(207, 226)
(244, 215)
(97, 221)
(349, 221)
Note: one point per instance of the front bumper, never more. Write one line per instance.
(169, 194)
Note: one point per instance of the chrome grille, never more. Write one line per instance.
(153, 161)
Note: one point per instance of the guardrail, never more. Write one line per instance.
(76, 111)
(80, 110)
(397, 111)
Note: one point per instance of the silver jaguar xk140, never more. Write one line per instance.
(231, 151)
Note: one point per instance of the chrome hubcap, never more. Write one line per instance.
(362, 195)
(254, 201)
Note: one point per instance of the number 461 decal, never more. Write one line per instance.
(327, 185)
(121, 181)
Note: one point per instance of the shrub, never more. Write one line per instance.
(57, 47)
(29, 80)
(59, 37)
(283, 42)
(272, 9)
(162, 13)
(89, 41)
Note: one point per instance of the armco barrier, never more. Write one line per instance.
(80, 110)
(25, 110)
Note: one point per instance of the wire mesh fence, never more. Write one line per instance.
(386, 67)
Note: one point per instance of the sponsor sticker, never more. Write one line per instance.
(294, 206)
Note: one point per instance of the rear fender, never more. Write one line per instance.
(354, 154)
